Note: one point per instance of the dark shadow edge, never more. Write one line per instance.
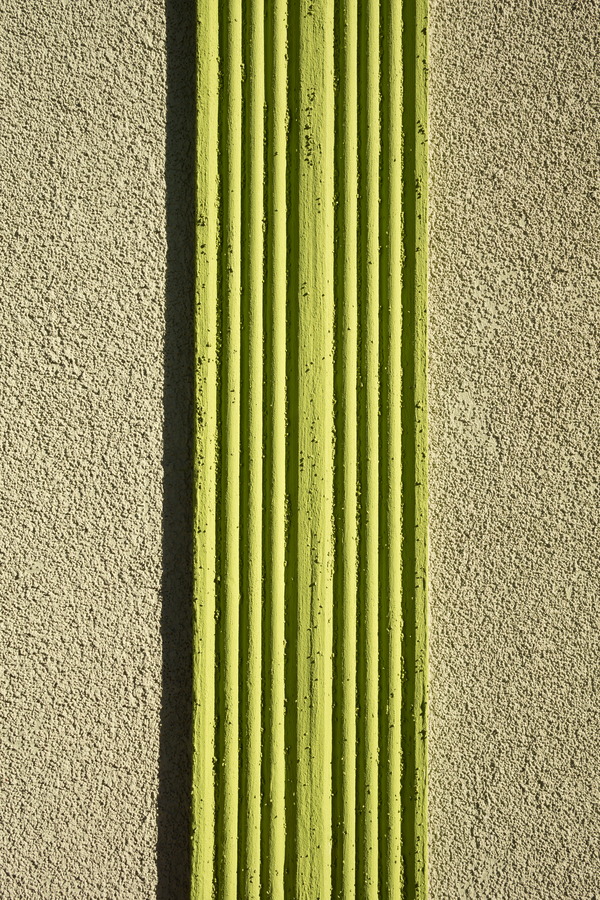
(175, 756)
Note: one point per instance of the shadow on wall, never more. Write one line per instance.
(173, 859)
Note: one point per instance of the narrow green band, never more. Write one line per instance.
(414, 430)
(310, 526)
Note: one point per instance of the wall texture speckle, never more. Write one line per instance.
(514, 423)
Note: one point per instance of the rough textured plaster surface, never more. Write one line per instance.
(514, 415)
(82, 320)
(514, 424)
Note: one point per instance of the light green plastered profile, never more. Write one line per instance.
(310, 473)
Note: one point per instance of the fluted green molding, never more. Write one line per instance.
(310, 526)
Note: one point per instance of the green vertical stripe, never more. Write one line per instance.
(252, 450)
(346, 452)
(392, 261)
(274, 508)
(205, 455)
(311, 277)
(367, 268)
(310, 617)
(414, 436)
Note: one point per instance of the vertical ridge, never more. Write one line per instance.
(251, 451)
(391, 260)
(314, 284)
(205, 462)
(345, 609)
(414, 476)
(292, 623)
(229, 585)
(368, 649)
(273, 822)
(421, 445)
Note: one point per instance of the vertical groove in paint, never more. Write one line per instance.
(346, 360)
(310, 465)
(292, 478)
(368, 612)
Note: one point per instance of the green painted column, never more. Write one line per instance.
(310, 527)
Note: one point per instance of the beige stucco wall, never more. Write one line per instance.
(95, 261)
(515, 425)
(83, 318)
